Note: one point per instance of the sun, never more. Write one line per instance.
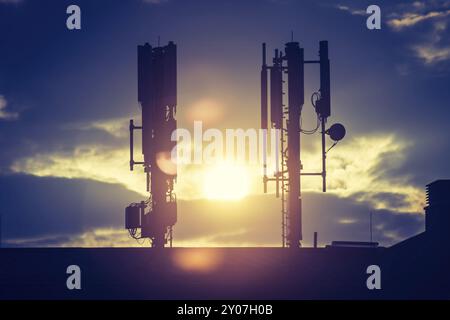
(226, 181)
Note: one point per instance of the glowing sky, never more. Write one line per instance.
(66, 97)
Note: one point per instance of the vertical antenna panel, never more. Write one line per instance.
(325, 99)
(264, 119)
(294, 55)
(264, 116)
(144, 73)
(145, 96)
(170, 74)
(276, 93)
(158, 98)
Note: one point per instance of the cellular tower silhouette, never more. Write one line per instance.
(157, 94)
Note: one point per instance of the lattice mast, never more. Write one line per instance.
(286, 118)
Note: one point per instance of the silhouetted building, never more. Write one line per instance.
(353, 244)
(418, 266)
(437, 218)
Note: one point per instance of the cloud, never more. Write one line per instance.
(359, 183)
(411, 19)
(352, 11)
(99, 163)
(116, 127)
(4, 114)
(434, 49)
(350, 172)
(53, 210)
(254, 221)
(431, 45)
(431, 54)
(97, 237)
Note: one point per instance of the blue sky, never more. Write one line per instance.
(65, 97)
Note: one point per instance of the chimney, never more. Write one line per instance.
(437, 218)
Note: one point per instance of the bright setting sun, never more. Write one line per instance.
(226, 181)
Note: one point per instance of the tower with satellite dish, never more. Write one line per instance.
(286, 117)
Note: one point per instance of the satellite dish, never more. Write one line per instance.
(336, 132)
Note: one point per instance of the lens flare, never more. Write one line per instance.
(165, 163)
(197, 260)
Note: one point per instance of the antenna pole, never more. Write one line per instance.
(286, 118)
(324, 157)
(370, 214)
(315, 239)
(264, 115)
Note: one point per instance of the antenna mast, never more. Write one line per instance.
(285, 118)
(157, 93)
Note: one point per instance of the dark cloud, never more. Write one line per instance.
(394, 201)
(33, 207)
(257, 220)
(424, 160)
(54, 211)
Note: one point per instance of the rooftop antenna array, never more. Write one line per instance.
(155, 217)
(287, 118)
